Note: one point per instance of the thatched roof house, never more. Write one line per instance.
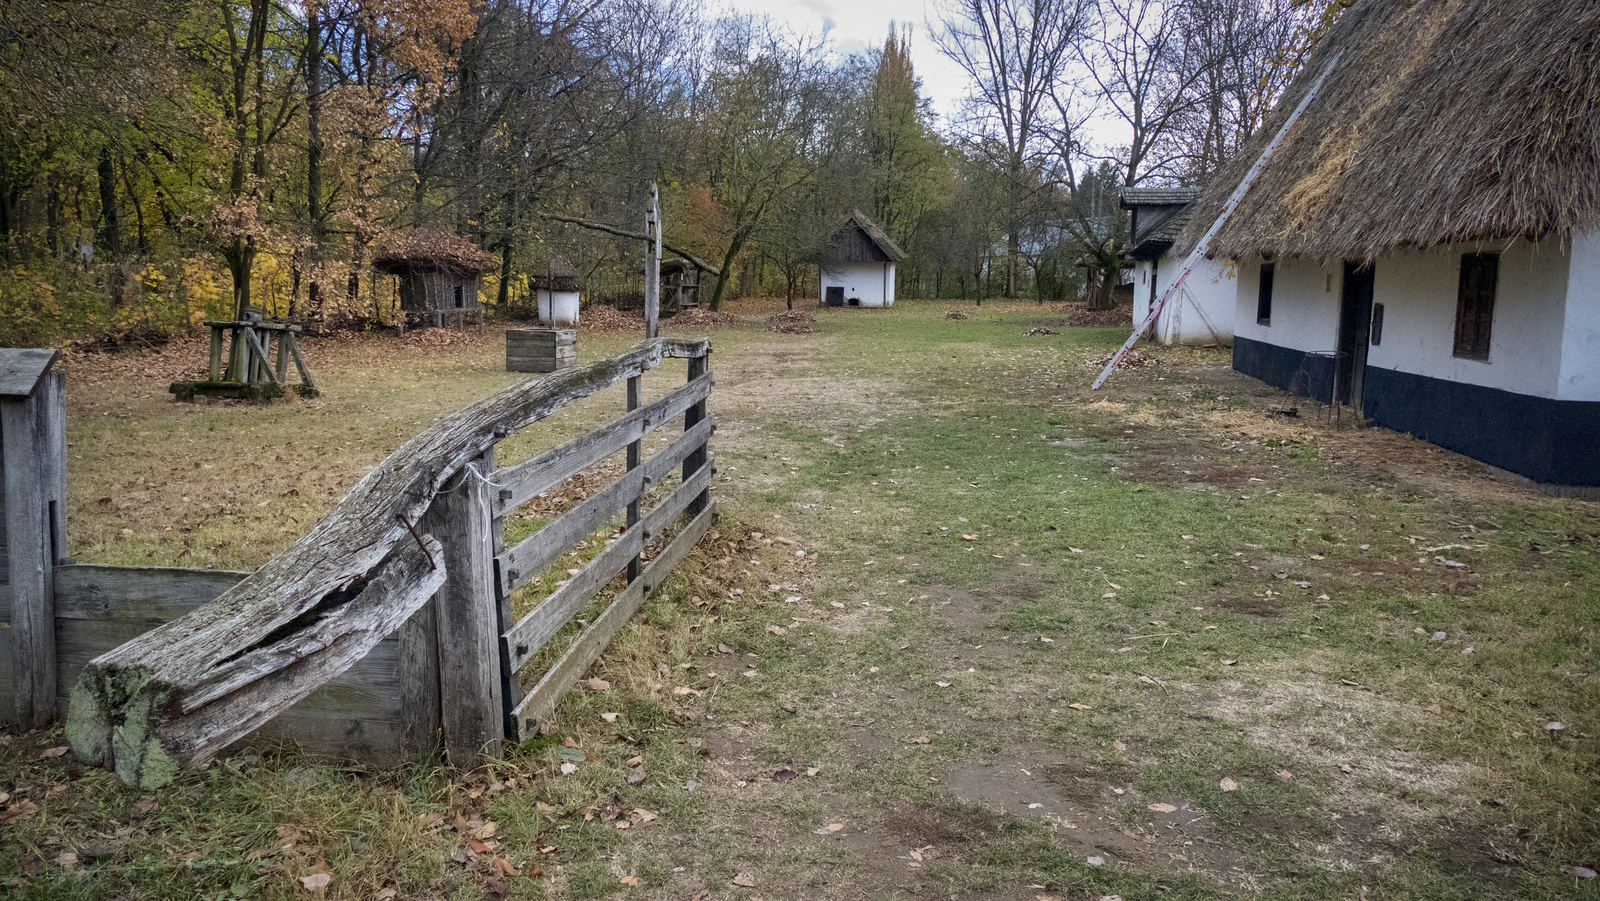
(1201, 312)
(438, 271)
(1445, 121)
(1425, 243)
(858, 264)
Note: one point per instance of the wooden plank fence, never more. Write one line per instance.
(386, 631)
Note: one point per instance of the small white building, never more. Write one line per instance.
(1425, 244)
(857, 266)
(557, 292)
(1201, 312)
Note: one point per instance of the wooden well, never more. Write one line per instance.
(541, 349)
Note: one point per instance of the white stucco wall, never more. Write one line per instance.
(559, 308)
(1528, 353)
(1419, 292)
(1305, 304)
(1579, 377)
(1203, 313)
(872, 283)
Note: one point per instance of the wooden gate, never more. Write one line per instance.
(403, 592)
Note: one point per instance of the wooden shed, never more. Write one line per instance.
(680, 285)
(438, 272)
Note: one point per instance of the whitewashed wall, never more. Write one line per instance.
(1419, 293)
(873, 283)
(1203, 314)
(1305, 304)
(1579, 377)
(559, 308)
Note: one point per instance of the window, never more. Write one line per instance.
(1264, 297)
(1475, 304)
(460, 301)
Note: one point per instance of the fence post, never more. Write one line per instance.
(33, 441)
(699, 367)
(472, 709)
(633, 463)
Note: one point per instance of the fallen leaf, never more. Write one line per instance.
(1147, 680)
(1228, 785)
(1229, 662)
(777, 630)
(487, 830)
(1080, 706)
(54, 752)
(385, 895)
(609, 717)
(568, 769)
(1285, 774)
(19, 811)
(630, 880)
(597, 684)
(506, 866)
(942, 684)
(67, 859)
(920, 740)
(1580, 872)
(636, 775)
(1163, 808)
(477, 846)
(829, 829)
(316, 881)
(1554, 727)
(744, 879)
(1119, 746)
(915, 854)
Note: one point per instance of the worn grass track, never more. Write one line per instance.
(1008, 624)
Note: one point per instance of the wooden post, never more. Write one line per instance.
(283, 356)
(32, 439)
(699, 367)
(510, 682)
(633, 463)
(216, 353)
(652, 265)
(471, 705)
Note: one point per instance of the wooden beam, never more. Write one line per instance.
(694, 261)
(22, 368)
(30, 495)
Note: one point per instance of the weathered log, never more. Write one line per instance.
(178, 694)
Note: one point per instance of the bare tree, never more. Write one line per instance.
(1015, 53)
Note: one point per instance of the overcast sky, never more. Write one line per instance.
(854, 25)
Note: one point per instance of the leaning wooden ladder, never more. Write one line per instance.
(1204, 244)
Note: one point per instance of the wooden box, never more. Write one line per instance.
(540, 349)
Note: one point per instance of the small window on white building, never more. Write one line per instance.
(1475, 304)
(1264, 295)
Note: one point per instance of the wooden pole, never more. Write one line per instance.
(216, 352)
(470, 701)
(633, 463)
(699, 367)
(32, 440)
(652, 265)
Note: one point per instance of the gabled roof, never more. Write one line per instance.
(878, 236)
(1443, 121)
(438, 251)
(1130, 197)
(556, 275)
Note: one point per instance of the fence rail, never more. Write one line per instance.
(414, 552)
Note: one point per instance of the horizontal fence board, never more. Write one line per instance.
(355, 716)
(520, 482)
(541, 701)
(524, 639)
(524, 561)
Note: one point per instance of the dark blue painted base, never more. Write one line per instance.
(1550, 441)
(1555, 442)
(1295, 371)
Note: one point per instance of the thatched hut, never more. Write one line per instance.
(1425, 243)
(680, 285)
(1202, 311)
(557, 285)
(857, 265)
(438, 273)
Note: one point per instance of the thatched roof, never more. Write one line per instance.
(1444, 121)
(556, 275)
(1160, 215)
(434, 251)
(877, 235)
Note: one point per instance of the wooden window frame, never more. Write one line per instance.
(1264, 294)
(1475, 296)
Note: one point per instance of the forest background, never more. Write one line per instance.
(165, 162)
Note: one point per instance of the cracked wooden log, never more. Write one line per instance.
(177, 695)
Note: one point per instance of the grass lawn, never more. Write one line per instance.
(964, 630)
